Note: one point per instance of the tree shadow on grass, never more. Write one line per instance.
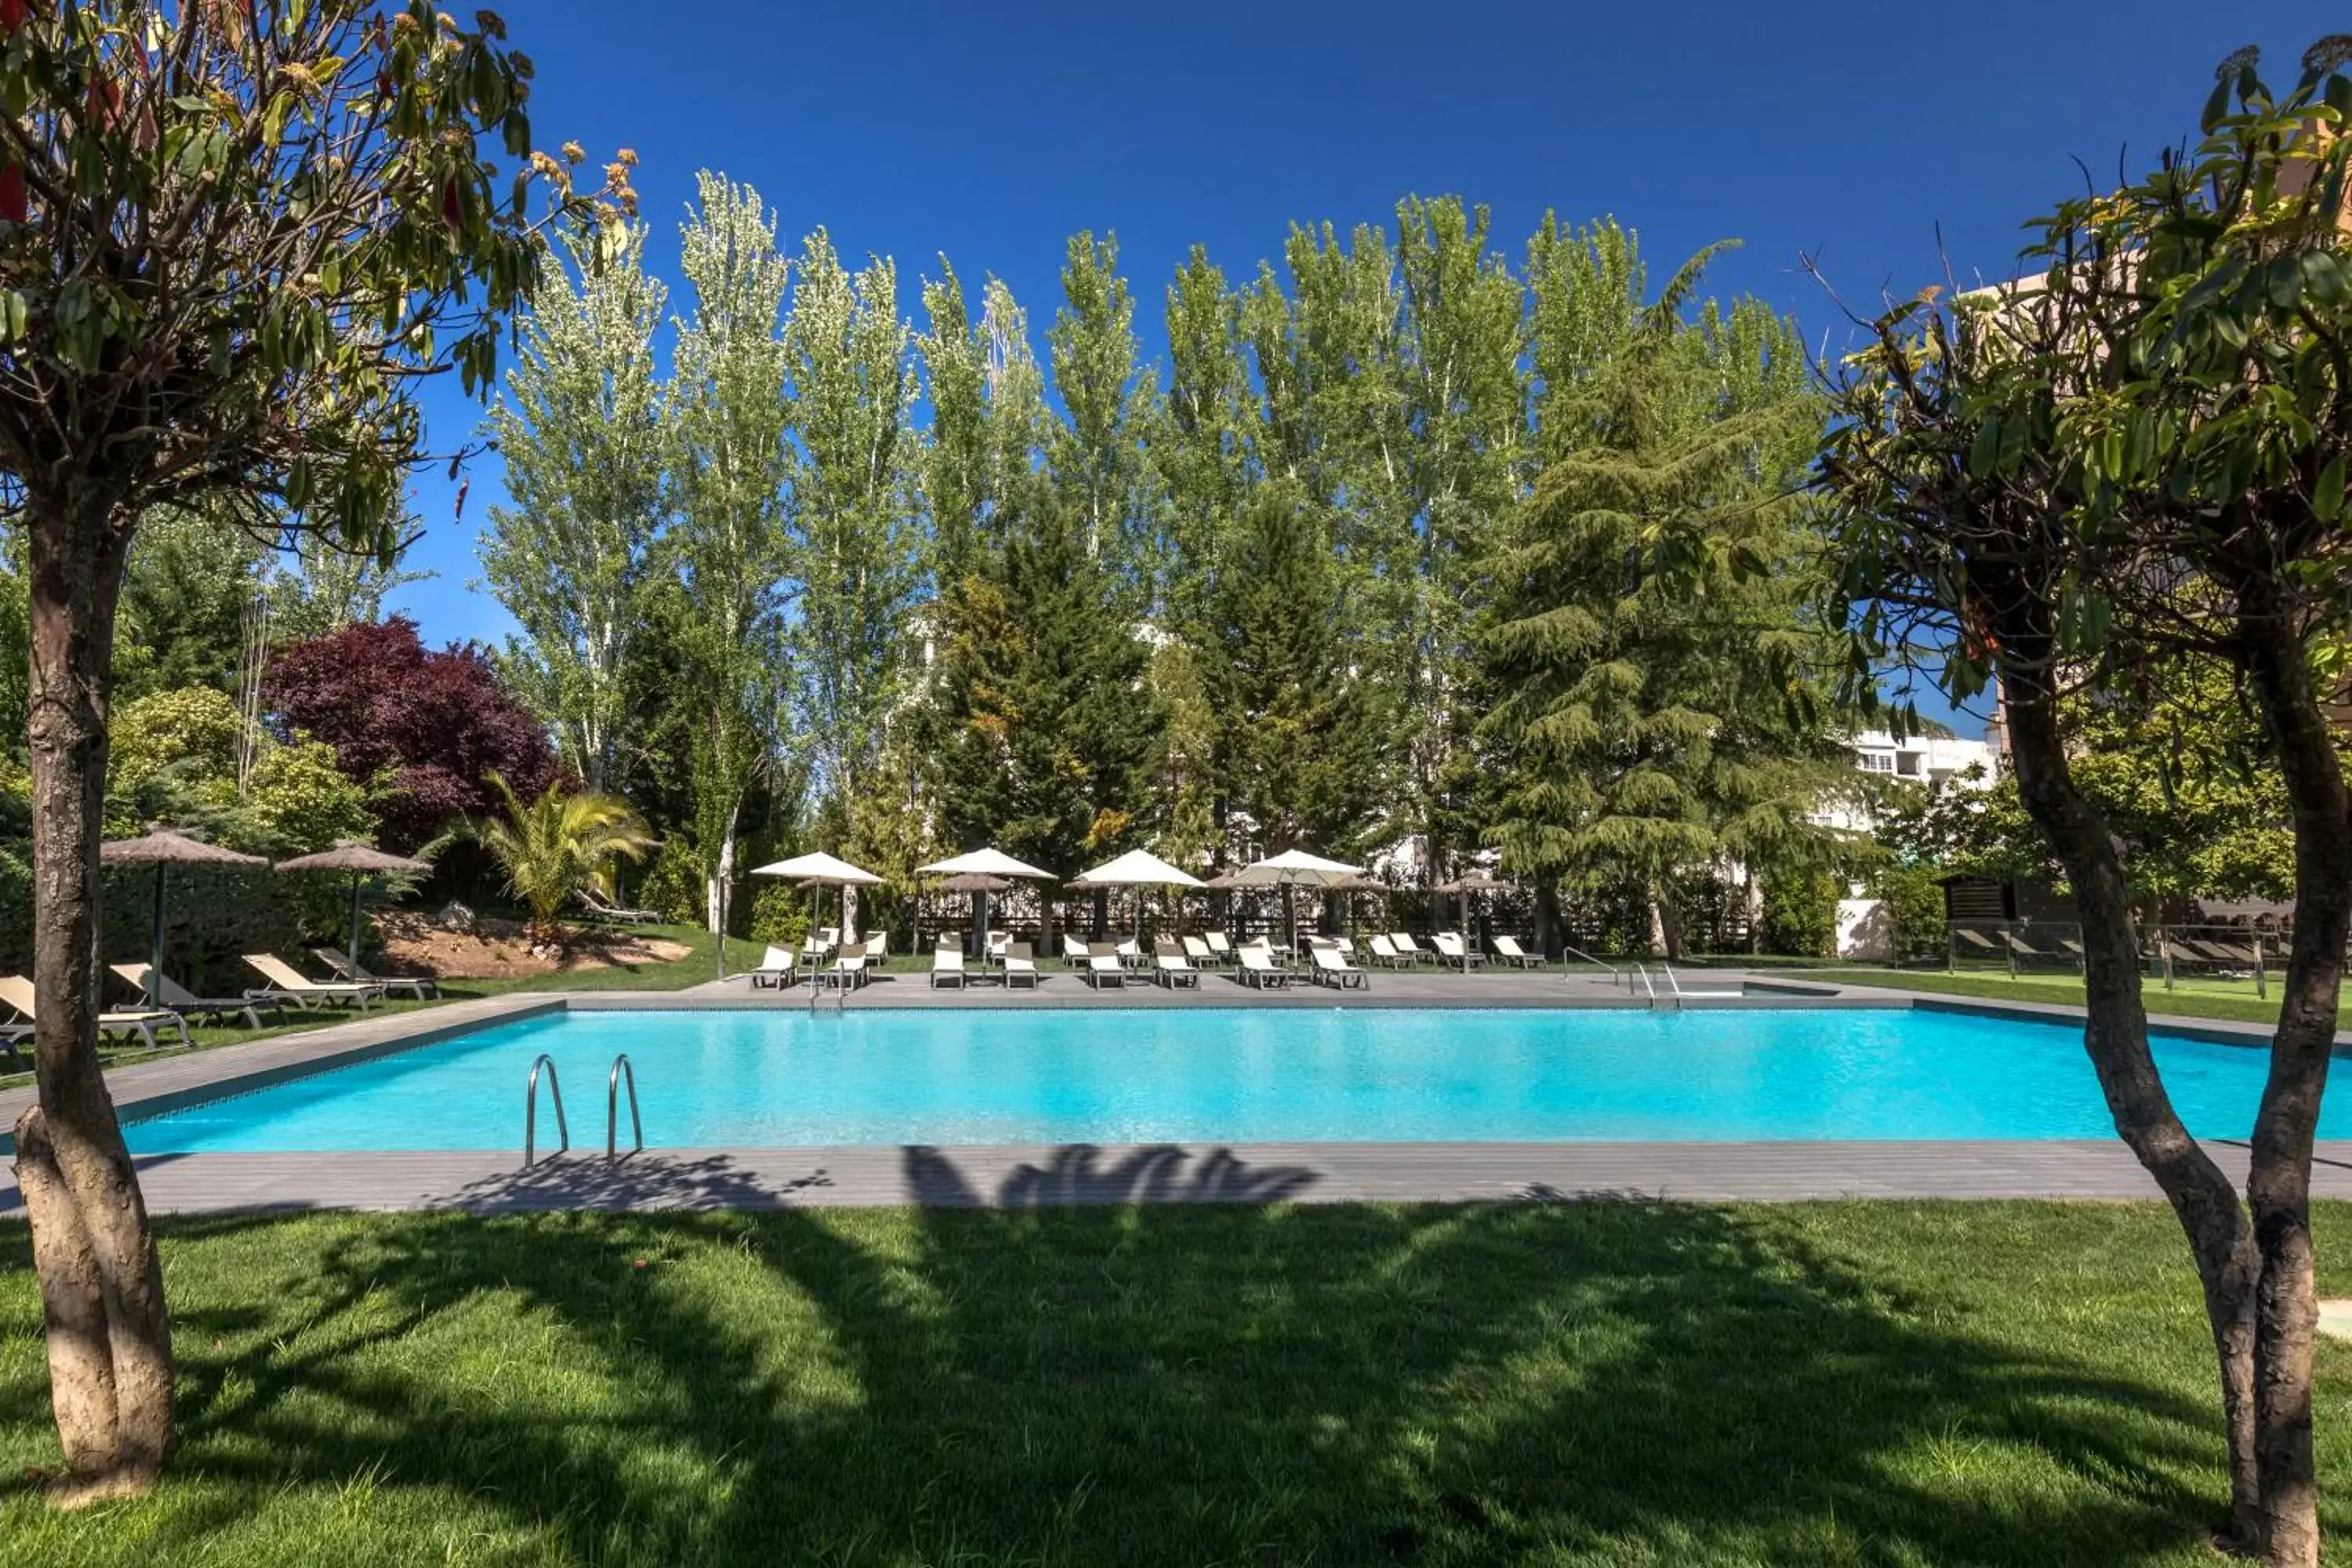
(1600, 1382)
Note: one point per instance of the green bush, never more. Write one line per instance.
(1915, 897)
(1801, 915)
(673, 885)
(779, 915)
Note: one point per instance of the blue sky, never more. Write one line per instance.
(990, 132)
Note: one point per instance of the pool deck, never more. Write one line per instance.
(494, 1180)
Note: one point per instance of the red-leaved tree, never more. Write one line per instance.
(424, 728)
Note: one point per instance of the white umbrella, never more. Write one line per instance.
(819, 869)
(1140, 868)
(985, 863)
(1294, 868)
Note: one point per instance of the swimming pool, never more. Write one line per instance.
(780, 1078)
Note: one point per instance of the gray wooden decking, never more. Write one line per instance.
(1027, 1175)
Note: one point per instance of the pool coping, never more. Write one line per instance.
(492, 1179)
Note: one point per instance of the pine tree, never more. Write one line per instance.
(1645, 645)
(1303, 736)
(1048, 729)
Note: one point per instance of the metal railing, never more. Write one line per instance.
(1614, 973)
(530, 1111)
(622, 1067)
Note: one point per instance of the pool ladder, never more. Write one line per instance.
(623, 1070)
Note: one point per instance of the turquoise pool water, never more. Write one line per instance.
(768, 1079)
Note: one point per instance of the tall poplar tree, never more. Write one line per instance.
(854, 538)
(582, 431)
(1099, 453)
(730, 547)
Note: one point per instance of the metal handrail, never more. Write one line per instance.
(530, 1111)
(1647, 989)
(1580, 952)
(621, 1063)
(1673, 984)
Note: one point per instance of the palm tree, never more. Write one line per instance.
(559, 844)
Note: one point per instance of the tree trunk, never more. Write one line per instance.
(110, 1345)
(2279, 1186)
(714, 911)
(2115, 1035)
(1667, 918)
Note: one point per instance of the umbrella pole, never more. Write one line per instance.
(155, 960)
(355, 922)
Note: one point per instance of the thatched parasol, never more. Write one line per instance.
(163, 848)
(1477, 881)
(976, 886)
(989, 862)
(361, 861)
(1353, 886)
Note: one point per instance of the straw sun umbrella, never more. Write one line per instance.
(977, 886)
(361, 860)
(1480, 881)
(162, 849)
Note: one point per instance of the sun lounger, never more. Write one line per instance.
(177, 998)
(357, 974)
(603, 910)
(1977, 939)
(1020, 969)
(1384, 952)
(1173, 967)
(1104, 969)
(778, 967)
(1332, 968)
(288, 984)
(1258, 969)
(1508, 950)
(1218, 946)
(17, 993)
(947, 967)
(1453, 951)
(848, 971)
(1402, 942)
(1075, 953)
(1198, 953)
(1130, 953)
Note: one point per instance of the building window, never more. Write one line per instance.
(1875, 762)
(1907, 764)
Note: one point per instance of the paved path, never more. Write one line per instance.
(1041, 1175)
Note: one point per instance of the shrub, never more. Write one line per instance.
(1801, 915)
(1915, 897)
(779, 915)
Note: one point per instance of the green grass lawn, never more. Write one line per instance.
(2231, 1000)
(1600, 1383)
(692, 970)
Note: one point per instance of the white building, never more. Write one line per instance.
(1934, 761)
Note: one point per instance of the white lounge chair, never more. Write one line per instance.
(357, 973)
(848, 970)
(1258, 968)
(878, 947)
(947, 967)
(1075, 953)
(1332, 968)
(1451, 950)
(17, 993)
(1104, 969)
(290, 984)
(778, 967)
(1198, 951)
(1020, 969)
(1384, 952)
(1173, 967)
(1508, 950)
(1218, 946)
(603, 910)
(178, 998)
(1402, 942)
